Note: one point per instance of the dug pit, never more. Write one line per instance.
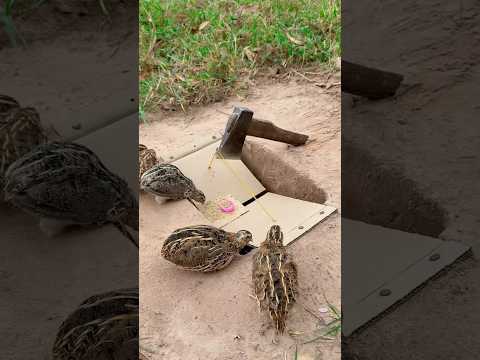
(278, 176)
(387, 224)
(379, 195)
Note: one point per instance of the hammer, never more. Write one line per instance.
(242, 123)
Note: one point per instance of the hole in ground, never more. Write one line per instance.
(376, 195)
(279, 177)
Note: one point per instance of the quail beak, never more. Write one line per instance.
(123, 229)
(193, 203)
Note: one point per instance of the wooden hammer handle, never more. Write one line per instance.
(267, 130)
(368, 82)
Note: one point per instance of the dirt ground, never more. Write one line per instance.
(186, 315)
(66, 59)
(436, 147)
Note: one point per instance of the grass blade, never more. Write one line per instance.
(9, 28)
(104, 8)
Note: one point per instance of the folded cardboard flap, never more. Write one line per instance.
(294, 216)
(232, 176)
(222, 177)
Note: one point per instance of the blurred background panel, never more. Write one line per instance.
(75, 63)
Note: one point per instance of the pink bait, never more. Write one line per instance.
(227, 206)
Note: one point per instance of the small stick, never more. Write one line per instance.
(308, 79)
(334, 84)
(222, 112)
(317, 338)
(210, 163)
(313, 314)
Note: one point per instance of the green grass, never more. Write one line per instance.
(198, 51)
(13, 8)
(6, 20)
(334, 327)
(330, 331)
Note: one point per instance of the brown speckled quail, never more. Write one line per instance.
(147, 158)
(105, 326)
(167, 181)
(65, 184)
(274, 278)
(20, 132)
(204, 248)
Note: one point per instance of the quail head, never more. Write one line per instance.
(167, 181)
(20, 132)
(146, 159)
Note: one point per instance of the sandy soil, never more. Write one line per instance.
(436, 146)
(211, 316)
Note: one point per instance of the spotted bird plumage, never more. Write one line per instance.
(204, 248)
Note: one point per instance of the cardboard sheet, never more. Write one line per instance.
(224, 176)
(294, 216)
(119, 158)
(404, 260)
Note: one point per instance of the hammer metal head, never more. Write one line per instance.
(235, 133)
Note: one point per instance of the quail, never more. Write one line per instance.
(104, 326)
(274, 277)
(204, 248)
(167, 181)
(66, 183)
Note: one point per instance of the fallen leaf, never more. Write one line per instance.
(294, 40)
(203, 25)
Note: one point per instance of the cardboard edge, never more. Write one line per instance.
(374, 305)
(316, 218)
(322, 213)
(203, 144)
